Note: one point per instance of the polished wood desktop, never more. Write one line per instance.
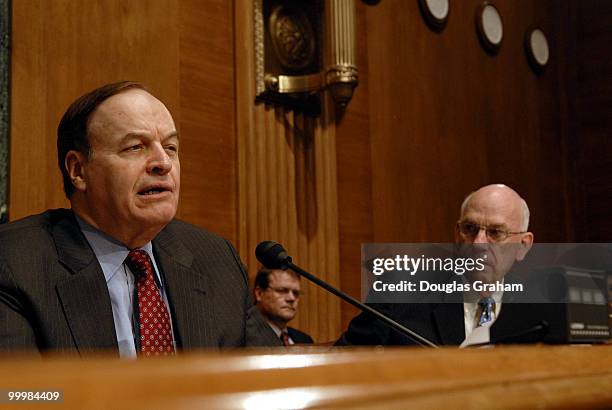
(319, 377)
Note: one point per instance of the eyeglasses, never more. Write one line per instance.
(470, 230)
(285, 291)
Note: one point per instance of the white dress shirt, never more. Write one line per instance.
(111, 255)
(471, 310)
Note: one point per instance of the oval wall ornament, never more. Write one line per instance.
(435, 13)
(537, 49)
(490, 27)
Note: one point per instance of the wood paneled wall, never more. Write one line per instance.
(287, 186)
(62, 49)
(209, 186)
(434, 117)
(588, 115)
(186, 52)
(449, 118)
(182, 51)
(355, 219)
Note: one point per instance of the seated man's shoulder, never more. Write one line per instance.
(188, 233)
(33, 229)
(298, 336)
(196, 239)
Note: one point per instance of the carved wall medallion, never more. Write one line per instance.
(293, 37)
(303, 48)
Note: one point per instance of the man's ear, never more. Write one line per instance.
(457, 234)
(258, 292)
(526, 243)
(75, 165)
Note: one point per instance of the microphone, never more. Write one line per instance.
(539, 330)
(272, 255)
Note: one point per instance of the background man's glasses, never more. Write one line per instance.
(471, 230)
(285, 291)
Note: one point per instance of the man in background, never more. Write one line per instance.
(117, 272)
(277, 295)
(493, 220)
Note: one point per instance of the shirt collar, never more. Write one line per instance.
(110, 253)
(473, 297)
(276, 329)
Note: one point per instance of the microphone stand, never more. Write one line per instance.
(361, 306)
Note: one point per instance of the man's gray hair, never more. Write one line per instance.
(524, 210)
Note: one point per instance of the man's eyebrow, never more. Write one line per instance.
(133, 135)
(495, 225)
(173, 134)
(498, 226)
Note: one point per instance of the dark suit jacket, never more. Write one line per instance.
(298, 336)
(443, 323)
(53, 295)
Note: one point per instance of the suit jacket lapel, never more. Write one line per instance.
(187, 289)
(83, 295)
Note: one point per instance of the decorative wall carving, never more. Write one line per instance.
(302, 48)
(293, 38)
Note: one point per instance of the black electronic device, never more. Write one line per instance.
(573, 302)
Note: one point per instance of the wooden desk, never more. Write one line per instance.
(501, 377)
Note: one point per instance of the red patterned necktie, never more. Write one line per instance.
(154, 320)
(285, 338)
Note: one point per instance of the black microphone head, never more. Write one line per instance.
(272, 255)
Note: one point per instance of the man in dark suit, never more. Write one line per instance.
(494, 220)
(277, 295)
(116, 271)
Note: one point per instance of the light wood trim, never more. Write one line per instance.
(503, 377)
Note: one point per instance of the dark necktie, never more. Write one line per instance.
(487, 305)
(284, 336)
(154, 321)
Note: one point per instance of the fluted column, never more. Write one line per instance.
(287, 185)
(341, 74)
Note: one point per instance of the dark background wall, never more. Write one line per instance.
(587, 117)
(435, 117)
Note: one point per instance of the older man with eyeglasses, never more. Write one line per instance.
(493, 224)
